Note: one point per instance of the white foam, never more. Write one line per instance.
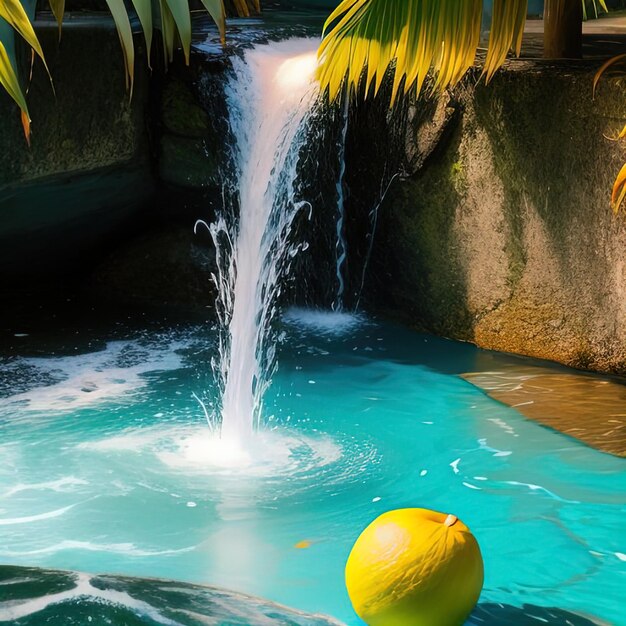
(126, 549)
(86, 380)
(197, 450)
(269, 454)
(324, 322)
(61, 485)
(35, 518)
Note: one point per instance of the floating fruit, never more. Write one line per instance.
(414, 567)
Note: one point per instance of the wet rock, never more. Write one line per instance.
(187, 162)
(194, 135)
(582, 406)
(181, 113)
(33, 596)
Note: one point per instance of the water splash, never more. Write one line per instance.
(269, 97)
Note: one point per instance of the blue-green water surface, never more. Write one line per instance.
(107, 465)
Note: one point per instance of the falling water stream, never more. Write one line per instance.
(341, 246)
(271, 92)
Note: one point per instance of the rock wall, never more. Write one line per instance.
(88, 170)
(505, 236)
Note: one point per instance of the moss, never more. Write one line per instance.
(188, 163)
(180, 112)
(426, 280)
(457, 171)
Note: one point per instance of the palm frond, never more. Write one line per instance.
(507, 32)
(58, 10)
(363, 39)
(594, 4)
(13, 12)
(11, 83)
(618, 197)
(175, 26)
(619, 190)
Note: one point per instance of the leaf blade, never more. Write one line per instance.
(10, 82)
(125, 33)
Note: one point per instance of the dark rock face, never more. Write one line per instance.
(34, 597)
(505, 236)
(164, 268)
(193, 142)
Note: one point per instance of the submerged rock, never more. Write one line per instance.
(32, 597)
(582, 406)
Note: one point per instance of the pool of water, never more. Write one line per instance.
(107, 465)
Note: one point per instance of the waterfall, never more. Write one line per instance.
(269, 97)
(341, 246)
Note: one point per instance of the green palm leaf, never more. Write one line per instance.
(595, 4)
(122, 23)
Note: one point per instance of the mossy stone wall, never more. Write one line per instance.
(88, 170)
(505, 237)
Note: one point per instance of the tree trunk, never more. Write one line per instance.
(563, 31)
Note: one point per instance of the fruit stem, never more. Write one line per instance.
(451, 520)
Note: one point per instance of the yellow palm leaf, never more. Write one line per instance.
(507, 31)
(619, 190)
(605, 67)
(595, 4)
(14, 14)
(218, 14)
(9, 80)
(363, 39)
(179, 10)
(168, 32)
(144, 13)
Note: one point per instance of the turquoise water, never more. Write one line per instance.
(107, 465)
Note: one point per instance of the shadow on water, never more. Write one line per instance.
(370, 338)
(505, 615)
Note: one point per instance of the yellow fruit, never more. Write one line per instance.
(414, 567)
